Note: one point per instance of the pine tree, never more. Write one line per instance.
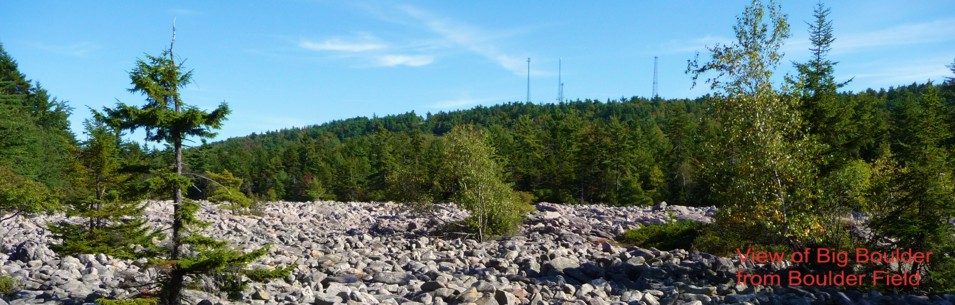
(36, 146)
(35, 139)
(828, 117)
(916, 206)
(167, 119)
(113, 222)
(411, 181)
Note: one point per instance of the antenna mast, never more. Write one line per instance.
(560, 83)
(528, 80)
(655, 92)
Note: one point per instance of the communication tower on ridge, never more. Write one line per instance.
(656, 93)
(560, 83)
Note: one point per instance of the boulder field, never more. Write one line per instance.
(379, 253)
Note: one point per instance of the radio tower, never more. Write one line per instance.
(560, 83)
(655, 92)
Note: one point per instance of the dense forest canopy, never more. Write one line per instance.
(623, 152)
(36, 145)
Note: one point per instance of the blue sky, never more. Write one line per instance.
(296, 63)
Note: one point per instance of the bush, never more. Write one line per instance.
(475, 182)
(136, 301)
(669, 236)
(720, 241)
(8, 285)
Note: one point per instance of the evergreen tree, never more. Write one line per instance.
(384, 163)
(412, 180)
(113, 222)
(167, 119)
(828, 117)
(916, 206)
(35, 140)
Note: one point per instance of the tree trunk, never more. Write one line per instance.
(172, 291)
(172, 288)
(177, 203)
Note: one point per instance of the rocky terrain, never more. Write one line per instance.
(375, 253)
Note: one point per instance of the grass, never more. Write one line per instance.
(669, 236)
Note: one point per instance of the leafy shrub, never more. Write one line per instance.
(225, 188)
(136, 301)
(8, 285)
(475, 183)
(669, 236)
(723, 243)
(233, 282)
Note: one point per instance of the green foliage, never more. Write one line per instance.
(225, 188)
(268, 274)
(410, 181)
(23, 196)
(540, 148)
(941, 278)
(112, 217)
(8, 285)
(35, 139)
(314, 189)
(766, 157)
(36, 145)
(168, 120)
(234, 281)
(918, 194)
(745, 67)
(136, 301)
(668, 236)
(474, 180)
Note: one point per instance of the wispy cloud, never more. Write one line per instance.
(404, 60)
(901, 35)
(341, 45)
(370, 50)
(79, 49)
(879, 74)
(471, 38)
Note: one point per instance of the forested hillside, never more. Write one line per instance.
(623, 152)
(36, 145)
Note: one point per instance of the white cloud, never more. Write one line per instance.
(880, 75)
(471, 38)
(339, 45)
(906, 34)
(392, 60)
(369, 50)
